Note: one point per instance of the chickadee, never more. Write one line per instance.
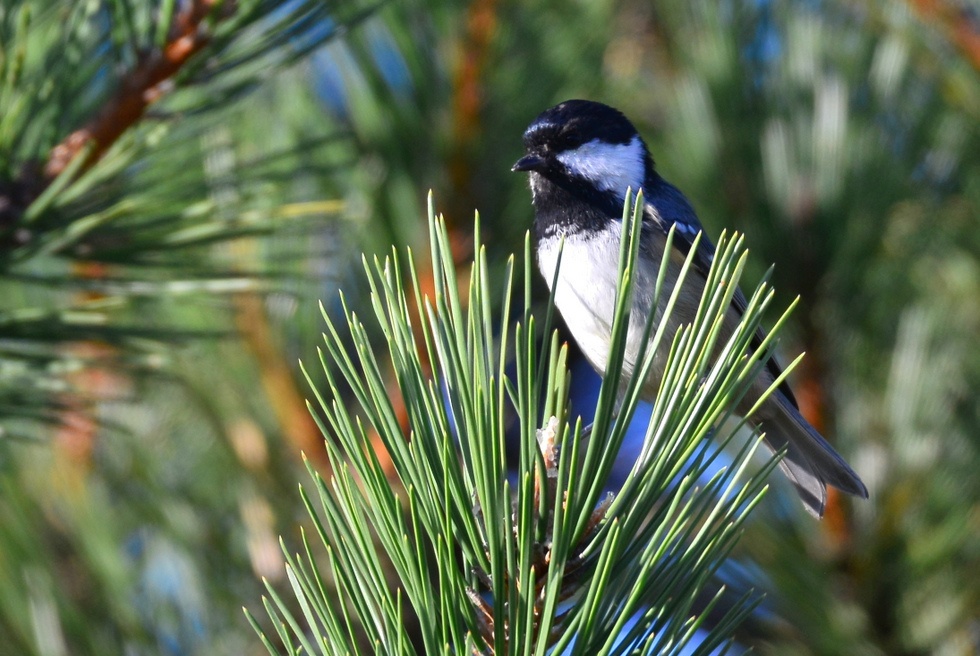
(582, 156)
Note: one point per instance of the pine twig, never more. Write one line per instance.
(146, 83)
(468, 94)
(297, 425)
(956, 25)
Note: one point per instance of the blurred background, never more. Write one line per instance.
(157, 289)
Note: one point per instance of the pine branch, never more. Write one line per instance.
(544, 559)
(125, 198)
(960, 26)
(140, 87)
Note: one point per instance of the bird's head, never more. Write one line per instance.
(587, 148)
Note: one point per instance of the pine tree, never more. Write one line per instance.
(179, 181)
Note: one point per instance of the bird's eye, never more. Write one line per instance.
(562, 142)
(568, 139)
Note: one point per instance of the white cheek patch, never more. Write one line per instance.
(610, 167)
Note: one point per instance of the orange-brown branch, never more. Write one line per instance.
(812, 396)
(481, 27)
(298, 427)
(955, 23)
(138, 89)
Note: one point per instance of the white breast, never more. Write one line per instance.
(586, 291)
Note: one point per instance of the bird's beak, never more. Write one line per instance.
(528, 163)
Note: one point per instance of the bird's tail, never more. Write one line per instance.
(810, 462)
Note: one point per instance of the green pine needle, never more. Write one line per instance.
(534, 561)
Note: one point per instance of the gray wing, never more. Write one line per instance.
(666, 206)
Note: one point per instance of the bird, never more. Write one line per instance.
(582, 156)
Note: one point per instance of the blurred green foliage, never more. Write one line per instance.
(841, 137)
